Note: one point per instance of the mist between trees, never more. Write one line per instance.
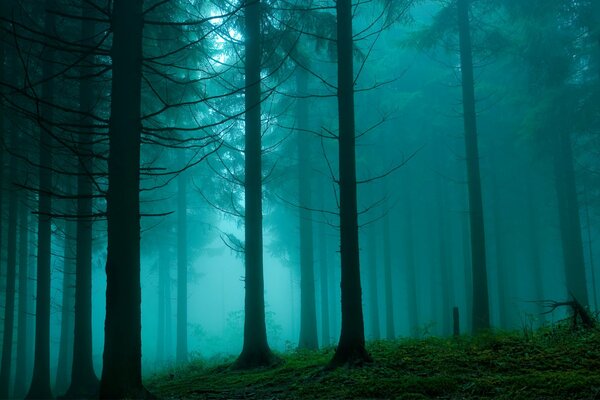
(185, 179)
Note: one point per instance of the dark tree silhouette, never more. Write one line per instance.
(351, 347)
(40, 387)
(181, 350)
(481, 312)
(308, 312)
(84, 382)
(255, 350)
(122, 369)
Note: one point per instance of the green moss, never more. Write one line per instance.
(550, 364)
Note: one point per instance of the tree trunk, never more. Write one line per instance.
(122, 369)
(502, 275)
(255, 351)
(40, 383)
(182, 266)
(160, 328)
(373, 289)
(23, 331)
(65, 352)
(390, 329)
(410, 267)
(308, 312)
(351, 346)
(568, 212)
(324, 274)
(84, 382)
(11, 268)
(481, 311)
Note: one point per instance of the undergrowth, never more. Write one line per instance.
(551, 363)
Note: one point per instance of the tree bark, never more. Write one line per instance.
(373, 289)
(568, 212)
(351, 346)
(65, 352)
(40, 383)
(390, 329)
(255, 350)
(23, 330)
(410, 267)
(308, 313)
(481, 312)
(122, 370)
(324, 275)
(11, 268)
(84, 382)
(182, 267)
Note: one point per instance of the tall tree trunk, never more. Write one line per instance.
(40, 383)
(160, 328)
(255, 351)
(324, 275)
(502, 275)
(481, 309)
(308, 312)
(410, 267)
(11, 268)
(168, 313)
(84, 382)
(568, 210)
(182, 267)
(23, 331)
(122, 369)
(445, 267)
(390, 329)
(65, 352)
(588, 224)
(533, 226)
(351, 346)
(373, 289)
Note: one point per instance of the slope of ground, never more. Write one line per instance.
(553, 363)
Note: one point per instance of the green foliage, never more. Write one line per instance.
(551, 363)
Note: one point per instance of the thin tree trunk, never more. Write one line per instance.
(410, 267)
(11, 268)
(502, 278)
(481, 311)
(390, 329)
(324, 274)
(255, 351)
(308, 312)
(373, 289)
(122, 369)
(168, 312)
(570, 224)
(23, 331)
(351, 346)
(40, 383)
(65, 352)
(588, 224)
(182, 266)
(84, 382)
(160, 328)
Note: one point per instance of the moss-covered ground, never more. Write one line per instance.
(552, 363)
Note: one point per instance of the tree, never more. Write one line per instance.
(84, 382)
(255, 350)
(40, 387)
(11, 267)
(122, 370)
(308, 312)
(182, 267)
(481, 312)
(351, 347)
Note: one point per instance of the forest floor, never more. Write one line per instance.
(552, 363)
